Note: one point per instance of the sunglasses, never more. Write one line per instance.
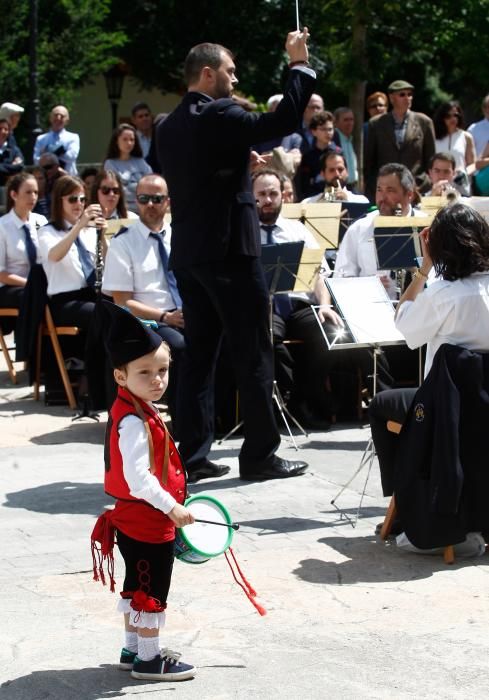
(379, 105)
(452, 114)
(73, 198)
(155, 198)
(108, 190)
(405, 94)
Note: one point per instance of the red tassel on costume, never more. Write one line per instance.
(102, 538)
(249, 591)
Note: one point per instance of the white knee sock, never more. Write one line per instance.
(148, 647)
(131, 642)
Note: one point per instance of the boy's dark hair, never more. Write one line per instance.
(319, 119)
(444, 155)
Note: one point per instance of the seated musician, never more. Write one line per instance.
(453, 309)
(293, 316)
(333, 179)
(395, 193)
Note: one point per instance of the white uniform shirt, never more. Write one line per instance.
(66, 275)
(133, 264)
(448, 312)
(133, 444)
(13, 252)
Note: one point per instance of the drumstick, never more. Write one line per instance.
(234, 526)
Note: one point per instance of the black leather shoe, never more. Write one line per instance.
(206, 470)
(276, 468)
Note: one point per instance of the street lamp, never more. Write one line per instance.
(34, 126)
(114, 79)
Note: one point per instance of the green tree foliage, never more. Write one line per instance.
(73, 46)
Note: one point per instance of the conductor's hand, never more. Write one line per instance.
(180, 515)
(326, 313)
(296, 45)
(175, 318)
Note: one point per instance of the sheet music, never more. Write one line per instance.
(367, 309)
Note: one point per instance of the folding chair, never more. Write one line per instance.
(48, 328)
(12, 313)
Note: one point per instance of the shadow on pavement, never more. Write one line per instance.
(61, 497)
(85, 431)
(78, 684)
(370, 560)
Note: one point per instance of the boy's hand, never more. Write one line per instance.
(180, 515)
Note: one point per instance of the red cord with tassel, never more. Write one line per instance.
(248, 589)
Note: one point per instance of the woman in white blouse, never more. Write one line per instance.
(68, 246)
(125, 156)
(453, 309)
(18, 238)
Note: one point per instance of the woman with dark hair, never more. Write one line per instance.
(448, 121)
(18, 237)
(68, 253)
(125, 157)
(107, 190)
(453, 309)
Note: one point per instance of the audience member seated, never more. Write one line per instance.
(18, 238)
(42, 205)
(136, 273)
(451, 138)
(88, 176)
(288, 193)
(58, 141)
(309, 178)
(125, 157)
(454, 309)
(12, 113)
(441, 172)
(334, 176)
(315, 104)
(52, 171)
(344, 121)
(107, 190)
(304, 383)
(142, 119)
(11, 159)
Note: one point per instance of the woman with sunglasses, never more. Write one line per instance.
(451, 137)
(107, 190)
(18, 238)
(125, 157)
(68, 247)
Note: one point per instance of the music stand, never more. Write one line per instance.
(368, 316)
(281, 264)
(351, 212)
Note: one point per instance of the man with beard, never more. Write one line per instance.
(204, 151)
(335, 177)
(304, 383)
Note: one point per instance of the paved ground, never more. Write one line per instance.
(348, 616)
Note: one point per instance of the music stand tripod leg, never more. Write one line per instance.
(231, 432)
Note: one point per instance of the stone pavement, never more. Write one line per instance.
(348, 616)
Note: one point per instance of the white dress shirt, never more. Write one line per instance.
(66, 275)
(13, 252)
(448, 312)
(133, 264)
(133, 444)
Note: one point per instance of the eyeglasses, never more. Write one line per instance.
(452, 114)
(379, 105)
(405, 94)
(155, 198)
(108, 190)
(73, 198)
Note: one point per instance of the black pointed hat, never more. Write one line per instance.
(127, 338)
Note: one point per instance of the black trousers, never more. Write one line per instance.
(74, 308)
(148, 566)
(229, 296)
(392, 404)
(175, 339)
(10, 297)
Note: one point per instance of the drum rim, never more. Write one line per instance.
(205, 497)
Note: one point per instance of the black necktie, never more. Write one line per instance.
(170, 277)
(269, 229)
(30, 246)
(87, 265)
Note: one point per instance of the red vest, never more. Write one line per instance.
(135, 517)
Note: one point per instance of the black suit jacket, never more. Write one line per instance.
(442, 471)
(204, 150)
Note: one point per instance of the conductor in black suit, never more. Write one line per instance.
(204, 151)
